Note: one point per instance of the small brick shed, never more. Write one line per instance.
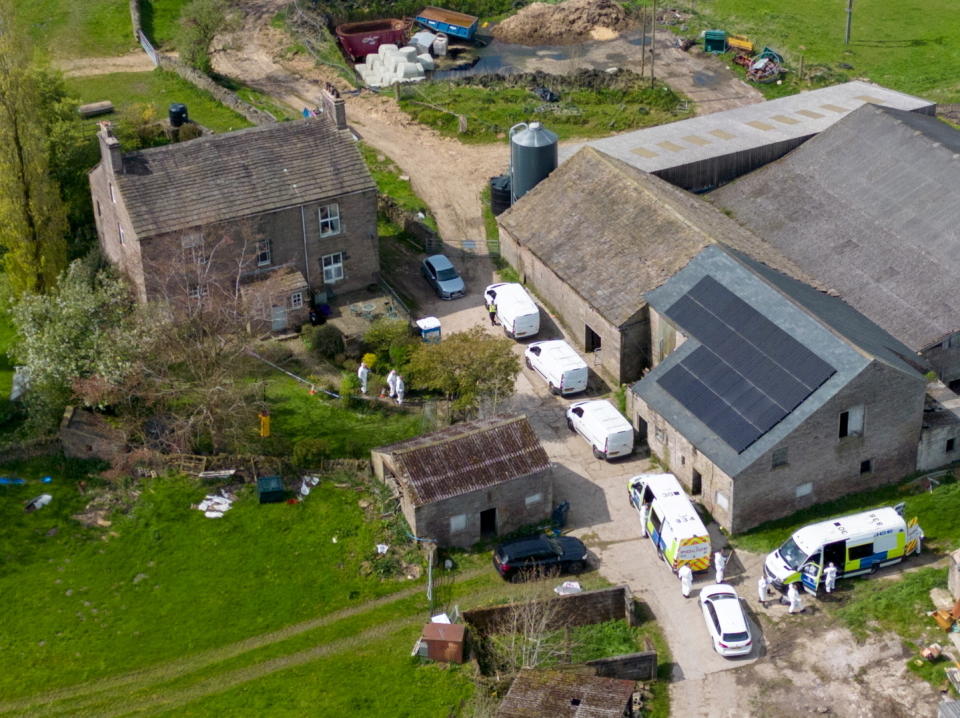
(469, 481)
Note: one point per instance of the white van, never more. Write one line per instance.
(603, 427)
(556, 361)
(671, 521)
(516, 311)
(856, 544)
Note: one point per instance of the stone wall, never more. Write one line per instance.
(86, 435)
(630, 666)
(428, 240)
(579, 609)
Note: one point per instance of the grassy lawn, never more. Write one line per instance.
(490, 112)
(157, 88)
(67, 28)
(388, 178)
(161, 20)
(909, 46)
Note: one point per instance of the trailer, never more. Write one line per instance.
(450, 22)
(360, 39)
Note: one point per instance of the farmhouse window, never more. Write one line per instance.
(851, 422)
(193, 248)
(779, 457)
(531, 500)
(722, 501)
(866, 466)
(951, 445)
(120, 233)
(113, 195)
(803, 489)
(296, 300)
(198, 290)
(329, 220)
(332, 267)
(264, 255)
(458, 523)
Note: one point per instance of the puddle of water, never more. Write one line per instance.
(702, 78)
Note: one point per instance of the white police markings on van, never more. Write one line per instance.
(857, 544)
(672, 523)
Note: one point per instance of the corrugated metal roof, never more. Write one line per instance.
(467, 457)
(565, 694)
(239, 174)
(870, 208)
(595, 211)
(722, 133)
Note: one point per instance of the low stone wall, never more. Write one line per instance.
(579, 609)
(198, 79)
(428, 240)
(23, 450)
(953, 575)
(630, 666)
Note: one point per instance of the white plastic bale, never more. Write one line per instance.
(426, 62)
(374, 62)
(440, 45)
(408, 53)
(411, 69)
(386, 49)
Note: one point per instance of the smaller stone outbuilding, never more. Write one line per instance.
(469, 481)
(567, 694)
(87, 435)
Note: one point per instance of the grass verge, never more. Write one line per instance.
(157, 88)
(390, 181)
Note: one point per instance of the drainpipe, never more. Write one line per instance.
(306, 257)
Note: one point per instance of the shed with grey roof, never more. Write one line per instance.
(707, 151)
(870, 208)
(597, 234)
(776, 396)
(469, 481)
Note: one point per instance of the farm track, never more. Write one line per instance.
(82, 698)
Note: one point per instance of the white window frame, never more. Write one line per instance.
(196, 291)
(458, 523)
(296, 300)
(192, 245)
(264, 253)
(722, 501)
(329, 224)
(855, 421)
(120, 233)
(533, 499)
(332, 272)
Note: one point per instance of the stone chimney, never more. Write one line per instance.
(111, 156)
(333, 106)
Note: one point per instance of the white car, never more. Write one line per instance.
(725, 620)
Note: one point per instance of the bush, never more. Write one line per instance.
(310, 453)
(325, 341)
(370, 360)
(349, 385)
(390, 339)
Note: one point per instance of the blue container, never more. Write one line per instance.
(453, 23)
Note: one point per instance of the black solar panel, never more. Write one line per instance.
(747, 375)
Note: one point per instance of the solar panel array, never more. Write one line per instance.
(747, 375)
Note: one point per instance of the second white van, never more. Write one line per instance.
(604, 428)
(517, 313)
(556, 361)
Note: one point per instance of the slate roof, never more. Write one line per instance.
(239, 174)
(869, 207)
(565, 694)
(467, 457)
(595, 212)
(816, 320)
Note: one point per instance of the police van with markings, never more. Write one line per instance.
(672, 523)
(855, 545)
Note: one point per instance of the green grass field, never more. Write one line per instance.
(92, 28)
(160, 20)
(910, 46)
(157, 88)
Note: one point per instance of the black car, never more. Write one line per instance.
(540, 554)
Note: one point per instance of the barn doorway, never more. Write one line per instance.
(591, 340)
(696, 483)
(488, 523)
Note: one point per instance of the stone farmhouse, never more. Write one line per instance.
(288, 209)
(772, 396)
(469, 481)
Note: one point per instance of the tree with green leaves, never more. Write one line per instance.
(474, 369)
(200, 22)
(32, 217)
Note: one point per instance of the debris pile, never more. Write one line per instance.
(566, 22)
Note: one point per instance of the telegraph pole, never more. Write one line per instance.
(846, 37)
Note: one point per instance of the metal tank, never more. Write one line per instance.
(533, 155)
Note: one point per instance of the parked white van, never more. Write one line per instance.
(556, 361)
(856, 544)
(517, 313)
(671, 522)
(603, 427)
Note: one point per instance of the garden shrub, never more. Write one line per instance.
(325, 341)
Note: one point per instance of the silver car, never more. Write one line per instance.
(442, 276)
(725, 620)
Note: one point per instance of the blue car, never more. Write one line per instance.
(442, 276)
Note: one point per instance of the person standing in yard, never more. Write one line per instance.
(762, 590)
(392, 382)
(492, 309)
(719, 563)
(686, 579)
(830, 577)
(793, 597)
(401, 388)
(644, 515)
(363, 374)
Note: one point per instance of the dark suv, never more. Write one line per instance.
(540, 554)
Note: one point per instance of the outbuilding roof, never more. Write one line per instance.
(869, 207)
(239, 174)
(595, 212)
(565, 694)
(467, 457)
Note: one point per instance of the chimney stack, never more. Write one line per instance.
(333, 106)
(110, 153)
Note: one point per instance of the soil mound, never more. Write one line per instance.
(566, 22)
